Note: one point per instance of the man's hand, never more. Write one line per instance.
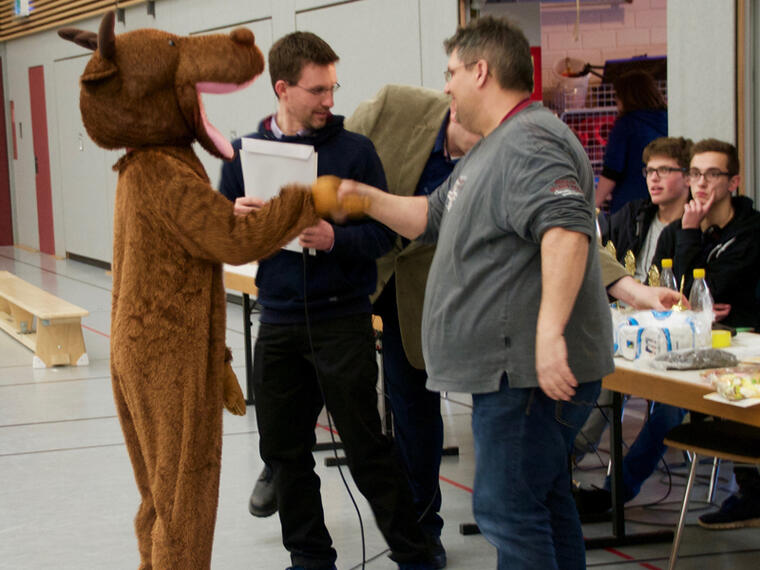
(643, 297)
(658, 298)
(554, 375)
(246, 204)
(694, 212)
(320, 237)
(721, 311)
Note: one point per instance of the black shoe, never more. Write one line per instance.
(738, 511)
(593, 501)
(439, 553)
(263, 501)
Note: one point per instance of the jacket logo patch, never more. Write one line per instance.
(454, 192)
(565, 187)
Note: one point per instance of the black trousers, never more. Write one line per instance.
(288, 403)
(417, 422)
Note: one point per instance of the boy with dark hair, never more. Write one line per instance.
(637, 227)
(720, 232)
(638, 224)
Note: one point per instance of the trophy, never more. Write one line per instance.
(654, 276)
(630, 262)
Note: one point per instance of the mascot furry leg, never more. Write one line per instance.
(140, 91)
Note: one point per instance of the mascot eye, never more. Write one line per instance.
(171, 43)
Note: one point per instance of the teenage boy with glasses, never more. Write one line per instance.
(637, 226)
(720, 232)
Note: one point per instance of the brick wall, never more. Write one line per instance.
(607, 31)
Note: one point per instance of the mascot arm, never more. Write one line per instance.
(233, 396)
(206, 226)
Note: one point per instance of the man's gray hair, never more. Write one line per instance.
(502, 44)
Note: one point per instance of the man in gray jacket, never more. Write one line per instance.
(514, 311)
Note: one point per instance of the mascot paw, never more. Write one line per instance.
(354, 206)
(324, 192)
(233, 395)
(325, 195)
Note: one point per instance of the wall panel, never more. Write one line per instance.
(379, 41)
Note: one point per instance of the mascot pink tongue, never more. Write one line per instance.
(171, 372)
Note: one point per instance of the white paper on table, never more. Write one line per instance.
(743, 403)
(270, 165)
(246, 270)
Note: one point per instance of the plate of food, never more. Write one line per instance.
(737, 385)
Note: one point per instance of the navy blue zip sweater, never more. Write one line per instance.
(339, 282)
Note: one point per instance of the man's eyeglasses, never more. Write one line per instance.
(710, 175)
(662, 171)
(449, 73)
(319, 91)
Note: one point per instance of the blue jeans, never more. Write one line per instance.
(645, 453)
(522, 496)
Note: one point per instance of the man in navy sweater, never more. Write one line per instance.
(322, 301)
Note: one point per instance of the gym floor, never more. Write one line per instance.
(68, 496)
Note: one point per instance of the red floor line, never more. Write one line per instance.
(96, 331)
(625, 556)
(455, 484)
(326, 428)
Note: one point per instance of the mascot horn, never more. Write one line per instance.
(171, 373)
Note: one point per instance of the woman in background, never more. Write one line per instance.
(642, 118)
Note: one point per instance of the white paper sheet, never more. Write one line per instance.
(743, 403)
(270, 165)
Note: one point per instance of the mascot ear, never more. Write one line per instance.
(106, 36)
(80, 37)
(105, 39)
(105, 42)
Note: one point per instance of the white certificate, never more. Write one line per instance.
(270, 165)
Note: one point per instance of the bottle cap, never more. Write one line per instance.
(721, 339)
(699, 274)
(667, 262)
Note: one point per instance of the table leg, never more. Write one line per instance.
(247, 310)
(616, 445)
(619, 537)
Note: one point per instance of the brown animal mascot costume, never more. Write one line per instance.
(170, 368)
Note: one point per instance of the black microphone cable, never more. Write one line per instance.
(327, 411)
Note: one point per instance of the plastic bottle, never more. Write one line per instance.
(667, 277)
(702, 305)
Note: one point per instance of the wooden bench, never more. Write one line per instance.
(49, 326)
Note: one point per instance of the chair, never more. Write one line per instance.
(724, 440)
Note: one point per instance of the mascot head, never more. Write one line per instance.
(143, 88)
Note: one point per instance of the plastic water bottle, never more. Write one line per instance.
(702, 304)
(667, 277)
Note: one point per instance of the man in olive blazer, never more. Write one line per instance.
(403, 123)
(418, 145)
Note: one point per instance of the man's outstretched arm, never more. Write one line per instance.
(406, 215)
